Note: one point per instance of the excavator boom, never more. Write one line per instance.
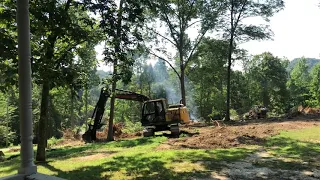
(90, 134)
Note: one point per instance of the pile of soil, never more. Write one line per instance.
(239, 134)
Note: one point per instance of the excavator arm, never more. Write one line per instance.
(90, 134)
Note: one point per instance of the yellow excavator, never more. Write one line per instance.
(157, 114)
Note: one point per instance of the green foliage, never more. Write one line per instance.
(207, 72)
(8, 49)
(299, 84)
(6, 136)
(132, 127)
(267, 76)
(315, 86)
(53, 141)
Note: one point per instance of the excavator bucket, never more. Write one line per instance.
(87, 136)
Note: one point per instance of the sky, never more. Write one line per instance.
(296, 33)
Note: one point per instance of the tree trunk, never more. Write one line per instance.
(71, 109)
(265, 94)
(183, 90)
(201, 96)
(86, 106)
(7, 119)
(227, 118)
(42, 136)
(114, 77)
(149, 89)
(112, 102)
(57, 120)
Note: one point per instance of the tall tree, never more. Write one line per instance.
(236, 30)
(179, 17)
(207, 71)
(121, 22)
(57, 28)
(269, 76)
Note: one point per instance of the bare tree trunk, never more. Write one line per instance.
(42, 136)
(183, 90)
(201, 96)
(265, 94)
(114, 78)
(149, 89)
(112, 102)
(71, 109)
(227, 118)
(86, 106)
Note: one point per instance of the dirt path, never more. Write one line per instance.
(249, 168)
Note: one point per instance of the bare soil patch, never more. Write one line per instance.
(91, 157)
(234, 135)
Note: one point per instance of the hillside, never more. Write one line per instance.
(310, 61)
(103, 74)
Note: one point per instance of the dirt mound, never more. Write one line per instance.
(130, 135)
(117, 133)
(233, 135)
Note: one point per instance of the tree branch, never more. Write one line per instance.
(193, 24)
(66, 8)
(162, 36)
(198, 40)
(163, 59)
(240, 13)
(167, 20)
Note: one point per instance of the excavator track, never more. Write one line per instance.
(175, 131)
(147, 132)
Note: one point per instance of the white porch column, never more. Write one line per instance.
(24, 53)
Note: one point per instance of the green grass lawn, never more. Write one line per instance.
(129, 159)
(139, 159)
(301, 147)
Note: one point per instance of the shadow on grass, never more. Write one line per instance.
(158, 166)
(290, 154)
(133, 142)
(287, 147)
(226, 155)
(13, 164)
(94, 148)
(132, 167)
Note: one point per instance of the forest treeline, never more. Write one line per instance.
(191, 65)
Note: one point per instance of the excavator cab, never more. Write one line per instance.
(153, 112)
(157, 115)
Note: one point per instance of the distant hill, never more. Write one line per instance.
(103, 74)
(310, 61)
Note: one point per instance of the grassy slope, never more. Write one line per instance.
(138, 158)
